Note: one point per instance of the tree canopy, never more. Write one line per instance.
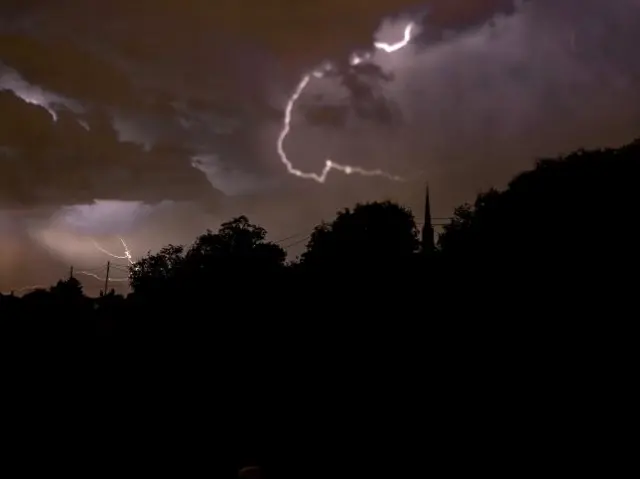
(372, 235)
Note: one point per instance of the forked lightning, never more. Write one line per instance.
(127, 252)
(330, 164)
(126, 256)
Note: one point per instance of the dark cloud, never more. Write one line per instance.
(205, 80)
(49, 163)
(66, 67)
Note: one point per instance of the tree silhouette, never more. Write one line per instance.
(238, 247)
(371, 236)
(68, 294)
(563, 232)
(236, 262)
(567, 221)
(69, 289)
(463, 233)
(236, 252)
(157, 272)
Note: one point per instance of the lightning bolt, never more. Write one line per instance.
(126, 256)
(102, 278)
(394, 47)
(330, 164)
(24, 289)
(127, 252)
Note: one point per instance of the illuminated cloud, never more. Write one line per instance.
(79, 234)
(225, 178)
(10, 80)
(102, 217)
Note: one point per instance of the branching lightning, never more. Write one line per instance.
(394, 47)
(330, 164)
(126, 256)
(127, 252)
(102, 278)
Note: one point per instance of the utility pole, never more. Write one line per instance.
(71, 272)
(106, 279)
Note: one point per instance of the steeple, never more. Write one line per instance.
(428, 236)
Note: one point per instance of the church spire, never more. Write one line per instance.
(428, 236)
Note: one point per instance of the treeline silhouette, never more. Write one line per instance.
(370, 318)
(561, 230)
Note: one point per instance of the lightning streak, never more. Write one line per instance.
(24, 289)
(102, 278)
(126, 256)
(394, 47)
(127, 252)
(330, 164)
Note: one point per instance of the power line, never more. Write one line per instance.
(120, 267)
(308, 235)
(298, 242)
(288, 238)
(97, 268)
(95, 273)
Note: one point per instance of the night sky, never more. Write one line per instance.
(153, 120)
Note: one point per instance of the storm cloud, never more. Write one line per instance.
(166, 104)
